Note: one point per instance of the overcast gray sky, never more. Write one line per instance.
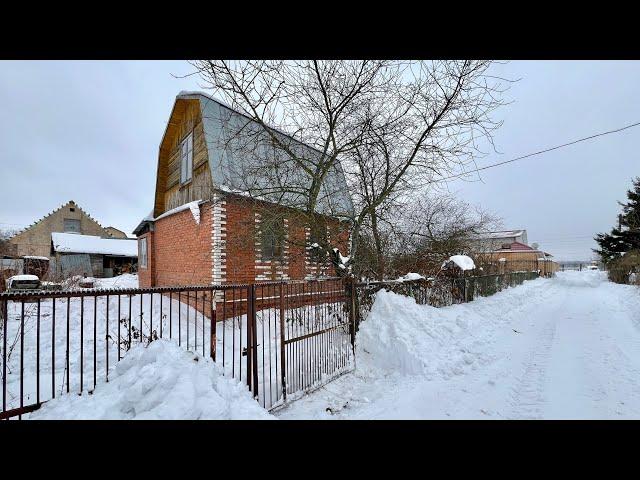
(89, 131)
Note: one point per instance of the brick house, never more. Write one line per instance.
(205, 229)
(509, 250)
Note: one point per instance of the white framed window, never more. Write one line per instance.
(186, 159)
(142, 252)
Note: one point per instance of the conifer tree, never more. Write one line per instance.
(626, 236)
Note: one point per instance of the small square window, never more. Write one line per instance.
(71, 225)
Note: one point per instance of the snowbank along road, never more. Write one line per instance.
(560, 348)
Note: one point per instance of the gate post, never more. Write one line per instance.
(253, 352)
(283, 363)
(212, 331)
(249, 336)
(350, 285)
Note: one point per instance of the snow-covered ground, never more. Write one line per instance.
(565, 348)
(126, 280)
(160, 381)
(560, 348)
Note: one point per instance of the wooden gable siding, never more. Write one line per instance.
(185, 118)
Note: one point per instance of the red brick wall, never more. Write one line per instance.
(181, 253)
(241, 239)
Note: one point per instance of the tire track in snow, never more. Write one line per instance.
(527, 397)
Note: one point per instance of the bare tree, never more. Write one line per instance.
(393, 126)
(6, 248)
(419, 235)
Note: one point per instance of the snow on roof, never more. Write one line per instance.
(517, 246)
(22, 278)
(35, 257)
(76, 243)
(193, 206)
(500, 234)
(410, 276)
(462, 261)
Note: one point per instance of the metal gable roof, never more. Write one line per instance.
(234, 171)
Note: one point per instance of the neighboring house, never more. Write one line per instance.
(36, 240)
(69, 218)
(113, 232)
(489, 241)
(508, 250)
(204, 229)
(94, 256)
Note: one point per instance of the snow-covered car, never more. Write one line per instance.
(592, 267)
(23, 282)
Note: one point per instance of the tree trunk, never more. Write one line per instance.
(380, 264)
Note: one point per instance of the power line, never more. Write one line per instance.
(538, 152)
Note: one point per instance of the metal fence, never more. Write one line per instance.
(282, 338)
(439, 291)
(279, 338)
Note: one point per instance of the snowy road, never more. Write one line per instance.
(561, 348)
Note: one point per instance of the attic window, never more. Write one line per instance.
(506, 246)
(72, 209)
(186, 159)
(71, 225)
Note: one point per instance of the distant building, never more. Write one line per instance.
(509, 251)
(36, 242)
(115, 233)
(93, 256)
(489, 241)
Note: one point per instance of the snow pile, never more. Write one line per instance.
(401, 337)
(160, 381)
(21, 278)
(126, 280)
(462, 261)
(585, 278)
(411, 276)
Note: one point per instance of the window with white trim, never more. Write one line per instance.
(186, 159)
(142, 252)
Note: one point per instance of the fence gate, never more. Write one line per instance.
(316, 339)
(298, 337)
(279, 338)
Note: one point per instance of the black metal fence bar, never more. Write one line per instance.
(267, 323)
